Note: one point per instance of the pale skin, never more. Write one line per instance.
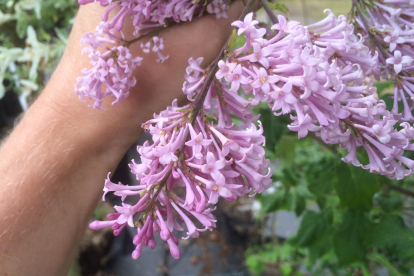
(53, 165)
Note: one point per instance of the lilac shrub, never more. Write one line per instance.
(196, 147)
(320, 74)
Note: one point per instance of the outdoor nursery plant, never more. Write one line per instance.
(32, 38)
(317, 79)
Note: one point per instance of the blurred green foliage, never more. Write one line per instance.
(33, 35)
(352, 221)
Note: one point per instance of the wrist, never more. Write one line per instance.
(68, 118)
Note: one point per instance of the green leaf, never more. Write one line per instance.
(313, 227)
(303, 191)
(319, 249)
(348, 240)
(240, 41)
(75, 268)
(210, 116)
(43, 35)
(21, 28)
(232, 40)
(321, 201)
(389, 203)
(273, 128)
(290, 198)
(285, 148)
(255, 265)
(319, 177)
(355, 186)
(279, 6)
(288, 176)
(393, 235)
(285, 251)
(381, 86)
(298, 195)
(185, 110)
(286, 269)
(382, 260)
(297, 204)
(62, 35)
(269, 253)
(273, 202)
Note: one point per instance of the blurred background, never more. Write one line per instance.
(310, 11)
(321, 217)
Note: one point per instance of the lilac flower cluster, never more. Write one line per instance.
(147, 14)
(196, 150)
(211, 148)
(111, 74)
(321, 72)
(113, 64)
(389, 25)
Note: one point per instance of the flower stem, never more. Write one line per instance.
(401, 190)
(161, 184)
(198, 104)
(371, 36)
(150, 34)
(212, 69)
(269, 12)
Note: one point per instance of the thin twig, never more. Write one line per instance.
(165, 267)
(401, 190)
(324, 145)
(212, 69)
(269, 12)
(161, 184)
(153, 33)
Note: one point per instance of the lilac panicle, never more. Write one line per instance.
(200, 151)
(111, 74)
(320, 75)
(111, 60)
(147, 14)
(390, 24)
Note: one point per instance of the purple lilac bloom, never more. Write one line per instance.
(320, 75)
(111, 74)
(207, 155)
(390, 23)
(149, 14)
(113, 65)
